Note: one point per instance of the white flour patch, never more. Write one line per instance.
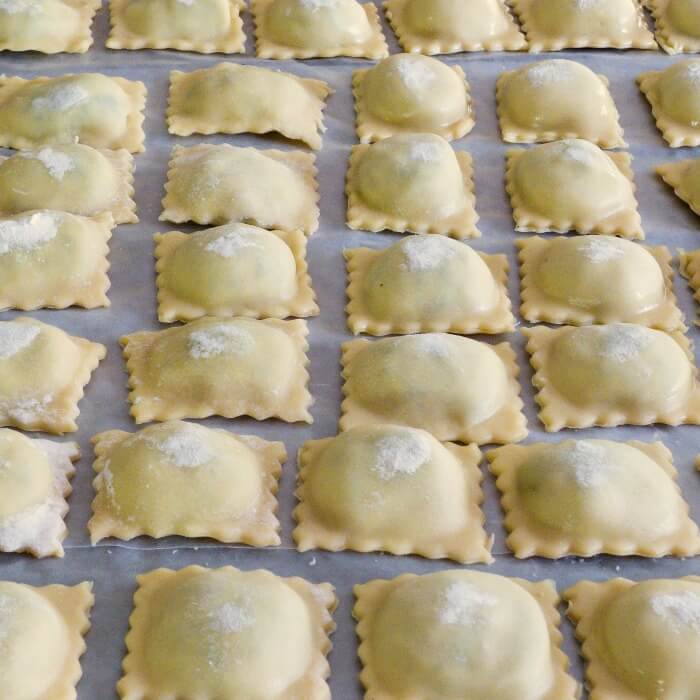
(415, 73)
(14, 337)
(464, 604)
(681, 611)
(425, 151)
(548, 72)
(16, 7)
(220, 340)
(184, 448)
(692, 72)
(621, 343)
(587, 462)
(434, 344)
(231, 618)
(229, 243)
(315, 5)
(30, 409)
(401, 454)
(577, 151)
(27, 233)
(56, 163)
(61, 98)
(601, 249)
(425, 252)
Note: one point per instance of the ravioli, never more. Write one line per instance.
(587, 497)
(451, 26)
(677, 24)
(43, 372)
(215, 633)
(185, 479)
(690, 269)
(597, 279)
(557, 99)
(592, 376)
(411, 182)
(223, 184)
(225, 367)
(461, 634)
(453, 387)
(235, 99)
(317, 29)
(89, 108)
(427, 283)
(204, 26)
(572, 185)
(684, 177)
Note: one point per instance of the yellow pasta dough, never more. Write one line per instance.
(461, 634)
(224, 633)
(557, 99)
(451, 26)
(597, 279)
(572, 185)
(317, 29)
(204, 26)
(427, 283)
(453, 387)
(677, 24)
(226, 367)
(42, 642)
(641, 639)
(617, 374)
(587, 497)
(684, 177)
(185, 479)
(43, 372)
(234, 99)
(89, 108)
(391, 488)
(411, 182)
(47, 26)
(690, 269)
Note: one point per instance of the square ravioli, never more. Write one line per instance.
(232, 270)
(72, 178)
(408, 93)
(690, 269)
(224, 184)
(186, 479)
(203, 26)
(210, 634)
(572, 185)
(677, 24)
(43, 373)
(673, 94)
(597, 279)
(233, 99)
(461, 634)
(591, 376)
(451, 26)
(89, 108)
(35, 482)
(625, 626)
(411, 183)
(225, 367)
(553, 25)
(43, 629)
(456, 388)
(557, 99)
(317, 29)
(684, 177)
(427, 283)
(587, 497)
(47, 26)
(52, 259)
(393, 489)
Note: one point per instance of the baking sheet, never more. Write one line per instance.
(113, 566)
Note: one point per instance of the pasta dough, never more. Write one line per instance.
(43, 372)
(461, 634)
(427, 283)
(47, 26)
(684, 177)
(592, 376)
(587, 497)
(225, 633)
(390, 488)
(225, 367)
(626, 626)
(412, 93)
(557, 99)
(677, 24)
(51, 259)
(451, 26)
(185, 479)
(89, 108)
(690, 269)
(233, 270)
(317, 29)
(572, 185)
(453, 387)
(222, 184)
(597, 279)
(234, 99)
(411, 182)
(34, 483)
(204, 26)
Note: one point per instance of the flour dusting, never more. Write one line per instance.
(231, 618)
(681, 611)
(586, 460)
(220, 340)
(601, 249)
(401, 454)
(184, 448)
(435, 344)
(692, 72)
(315, 5)
(464, 604)
(229, 243)
(425, 252)
(425, 151)
(622, 343)
(56, 163)
(548, 72)
(14, 337)
(414, 72)
(16, 7)
(61, 98)
(27, 232)
(577, 151)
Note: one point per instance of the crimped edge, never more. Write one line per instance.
(672, 174)
(670, 39)
(690, 269)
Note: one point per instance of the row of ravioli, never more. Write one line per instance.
(327, 28)
(206, 633)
